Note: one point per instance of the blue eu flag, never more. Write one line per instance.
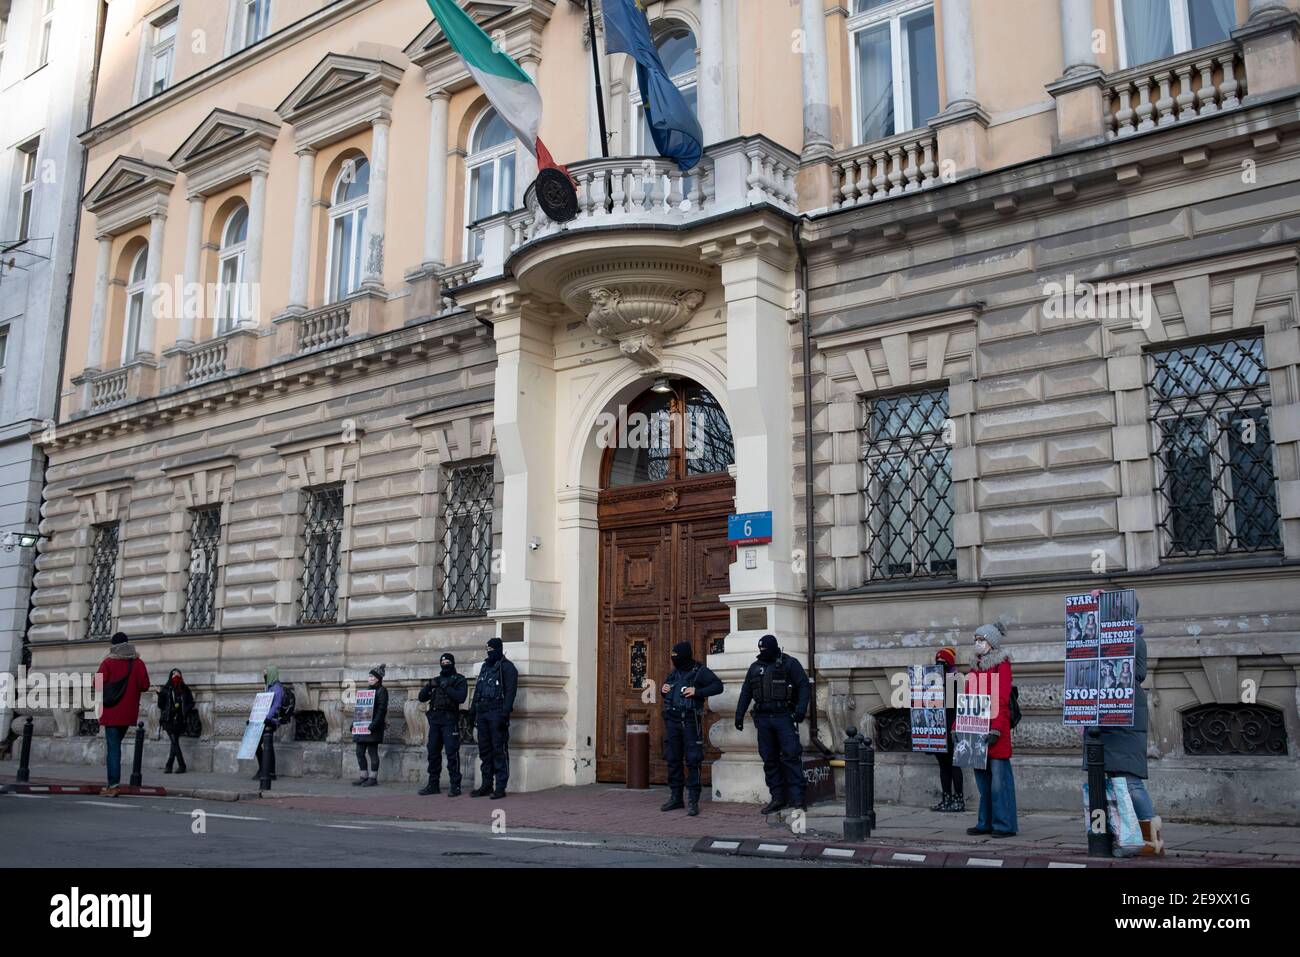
(673, 126)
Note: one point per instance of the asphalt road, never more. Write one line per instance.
(74, 831)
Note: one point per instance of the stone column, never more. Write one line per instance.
(1263, 9)
(1270, 46)
(525, 162)
(710, 81)
(435, 209)
(1078, 93)
(99, 306)
(153, 272)
(816, 86)
(192, 294)
(962, 126)
(252, 291)
(377, 204)
(298, 269)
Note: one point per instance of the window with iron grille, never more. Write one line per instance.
(908, 478)
(322, 537)
(201, 589)
(1213, 449)
(103, 578)
(464, 570)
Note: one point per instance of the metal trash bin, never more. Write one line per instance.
(638, 754)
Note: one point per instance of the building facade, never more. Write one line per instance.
(339, 393)
(47, 67)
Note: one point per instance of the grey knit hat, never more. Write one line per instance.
(378, 672)
(993, 634)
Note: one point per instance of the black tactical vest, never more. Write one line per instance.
(678, 701)
(441, 700)
(490, 689)
(772, 689)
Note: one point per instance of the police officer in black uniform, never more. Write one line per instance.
(445, 694)
(494, 699)
(779, 688)
(684, 691)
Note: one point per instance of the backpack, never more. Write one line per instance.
(1015, 706)
(288, 705)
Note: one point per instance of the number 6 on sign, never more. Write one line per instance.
(749, 528)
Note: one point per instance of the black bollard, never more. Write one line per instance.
(855, 822)
(867, 768)
(25, 756)
(268, 758)
(137, 777)
(1099, 840)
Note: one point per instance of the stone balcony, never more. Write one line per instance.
(890, 167)
(1173, 90)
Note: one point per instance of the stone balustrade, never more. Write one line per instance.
(109, 389)
(1175, 89)
(891, 167)
(205, 361)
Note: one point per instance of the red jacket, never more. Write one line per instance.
(995, 681)
(127, 711)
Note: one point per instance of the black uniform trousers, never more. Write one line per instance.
(492, 728)
(682, 743)
(444, 733)
(782, 754)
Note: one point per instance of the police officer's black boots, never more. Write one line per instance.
(430, 788)
(772, 806)
(692, 805)
(674, 801)
(453, 792)
(482, 791)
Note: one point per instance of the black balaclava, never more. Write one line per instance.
(448, 664)
(683, 657)
(494, 650)
(768, 649)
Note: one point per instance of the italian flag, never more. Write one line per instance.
(507, 87)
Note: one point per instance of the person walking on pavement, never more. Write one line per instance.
(992, 676)
(273, 718)
(950, 777)
(125, 679)
(175, 704)
(445, 693)
(368, 743)
(779, 688)
(685, 691)
(494, 700)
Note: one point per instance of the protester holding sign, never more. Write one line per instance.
(950, 778)
(992, 676)
(273, 718)
(372, 731)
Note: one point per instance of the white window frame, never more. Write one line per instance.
(241, 11)
(135, 287)
(29, 164)
(493, 156)
(4, 349)
(4, 42)
(232, 312)
(1180, 22)
(684, 81)
(353, 209)
(152, 49)
(47, 32)
(894, 14)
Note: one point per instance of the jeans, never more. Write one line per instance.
(1143, 807)
(113, 754)
(997, 796)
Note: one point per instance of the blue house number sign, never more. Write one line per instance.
(749, 528)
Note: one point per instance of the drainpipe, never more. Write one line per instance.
(810, 581)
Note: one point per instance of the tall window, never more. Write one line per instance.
(1154, 29)
(136, 289)
(47, 30)
(27, 187)
(1214, 449)
(676, 45)
(4, 40)
(201, 588)
(232, 295)
(103, 578)
(252, 22)
(895, 69)
(465, 568)
(4, 349)
(162, 53)
(909, 486)
(348, 229)
(491, 174)
(675, 430)
(322, 540)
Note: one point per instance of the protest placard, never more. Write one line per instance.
(365, 712)
(926, 685)
(253, 730)
(970, 750)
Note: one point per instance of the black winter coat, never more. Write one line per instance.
(378, 721)
(174, 707)
(454, 686)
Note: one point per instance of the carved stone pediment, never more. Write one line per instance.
(516, 24)
(341, 95)
(637, 304)
(226, 148)
(130, 191)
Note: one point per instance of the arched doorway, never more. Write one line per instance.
(664, 559)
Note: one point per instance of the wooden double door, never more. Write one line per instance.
(664, 560)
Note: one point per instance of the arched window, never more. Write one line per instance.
(490, 179)
(232, 296)
(674, 431)
(347, 229)
(135, 305)
(676, 45)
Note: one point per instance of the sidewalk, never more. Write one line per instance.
(613, 809)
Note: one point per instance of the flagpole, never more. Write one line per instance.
(600, 96)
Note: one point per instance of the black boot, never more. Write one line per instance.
(497, 794)
(167, 769)
(772, 806)
(430, 788)
(693, 805)
(181, 768)
(674, 801)
(454, 792)
(944, 805)
(482, 791)
(958, 803)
